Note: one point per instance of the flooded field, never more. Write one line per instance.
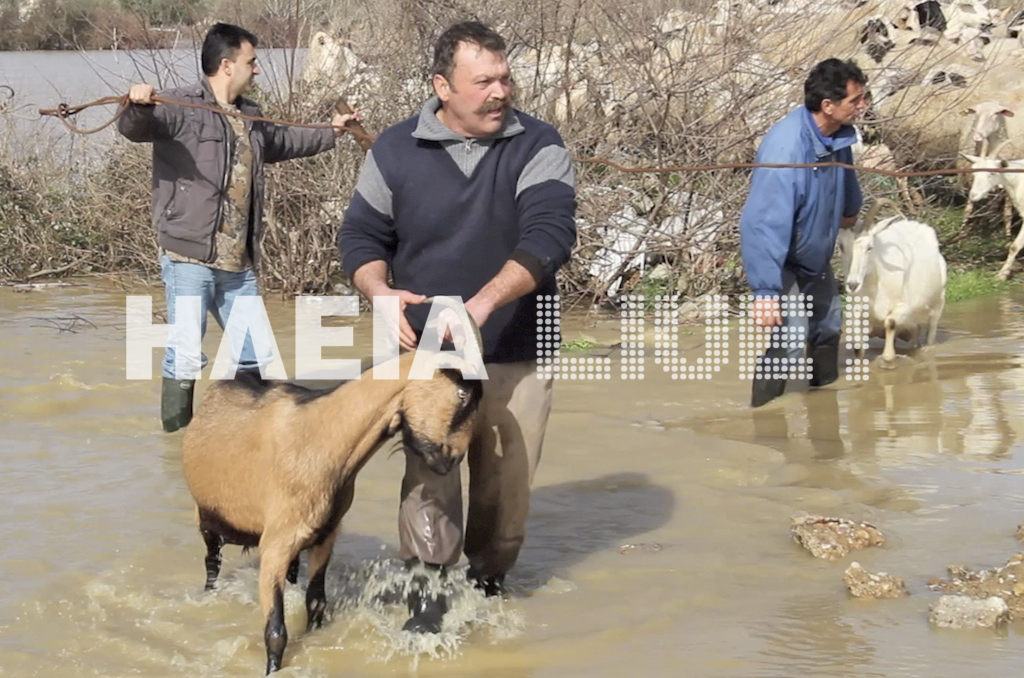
(658, 541)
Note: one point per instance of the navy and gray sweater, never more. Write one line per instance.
(446, 212)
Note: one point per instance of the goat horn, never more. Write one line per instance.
(1002, 144)
(869, 218)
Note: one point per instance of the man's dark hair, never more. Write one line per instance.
(472, 32)
(222, 42)
(828, 80)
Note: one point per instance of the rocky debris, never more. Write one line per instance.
(1006, 582)
(863, 584)
(833, 538)
(645, 547)
(964, 612)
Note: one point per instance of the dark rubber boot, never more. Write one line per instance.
(427, 608)
(490, 584)
(176, 403)
(764, 391)
(825, 368)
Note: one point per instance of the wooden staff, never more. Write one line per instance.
(362, 137)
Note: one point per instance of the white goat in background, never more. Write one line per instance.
(897, 265)
(1012, 183)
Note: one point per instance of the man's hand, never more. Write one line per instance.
(141, 93)
(448, 319)
(406, 335)
(767, 312)
(371, 280)
(340, 121)
(478, 310)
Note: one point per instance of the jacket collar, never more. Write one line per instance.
(430, 128)
(203, 90)
(844, 137)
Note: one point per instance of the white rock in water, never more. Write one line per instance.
(964, 612)
(864, 584)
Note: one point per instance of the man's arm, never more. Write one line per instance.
(853, 198)
(371, 279)
(144, 120)
(546, 201)
(285, 142)
(366, 243)
(512, 282)
(766, 230)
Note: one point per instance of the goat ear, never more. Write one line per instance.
(395, 423)
(970, 158)
(968, 111)
(1005, 111)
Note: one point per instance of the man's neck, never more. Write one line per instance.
(443, 119)
(220, 91)
(827, 126)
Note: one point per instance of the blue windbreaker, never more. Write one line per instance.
(792, 215)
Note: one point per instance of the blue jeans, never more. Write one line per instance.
(823, 326)
(217, 291)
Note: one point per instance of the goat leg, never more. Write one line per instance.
(933, 326)
(316, 596)
(274, 560)
(293, 570)
(1015, 248)
(214, 542)
(1007, 215)
(275, 634)
(889, 352)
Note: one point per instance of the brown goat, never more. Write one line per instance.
(274, 464)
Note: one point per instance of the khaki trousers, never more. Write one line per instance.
(503, 457)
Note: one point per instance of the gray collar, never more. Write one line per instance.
(429, 128)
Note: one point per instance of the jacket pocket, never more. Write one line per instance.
(177, 205)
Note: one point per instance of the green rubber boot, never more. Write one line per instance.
(176, 403)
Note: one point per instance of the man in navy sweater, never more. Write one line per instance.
(475, 199)
(789, 224)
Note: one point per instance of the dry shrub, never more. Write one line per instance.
(649, 83)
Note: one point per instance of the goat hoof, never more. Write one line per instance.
(427, 609)
(490, 585)
(420, 624)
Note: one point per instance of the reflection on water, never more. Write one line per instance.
(102, 565)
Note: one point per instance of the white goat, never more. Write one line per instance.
(991, 125)
(897, 265)
(1012, 183)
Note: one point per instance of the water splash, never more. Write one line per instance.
(371, 597)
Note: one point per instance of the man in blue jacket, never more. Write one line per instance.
(475, 199)
(790, 221)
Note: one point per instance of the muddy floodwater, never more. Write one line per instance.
(658, 542)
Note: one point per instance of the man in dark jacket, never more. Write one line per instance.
(208, 195)
(469, 198)
(789, 224)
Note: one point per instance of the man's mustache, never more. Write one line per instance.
(494, 105)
